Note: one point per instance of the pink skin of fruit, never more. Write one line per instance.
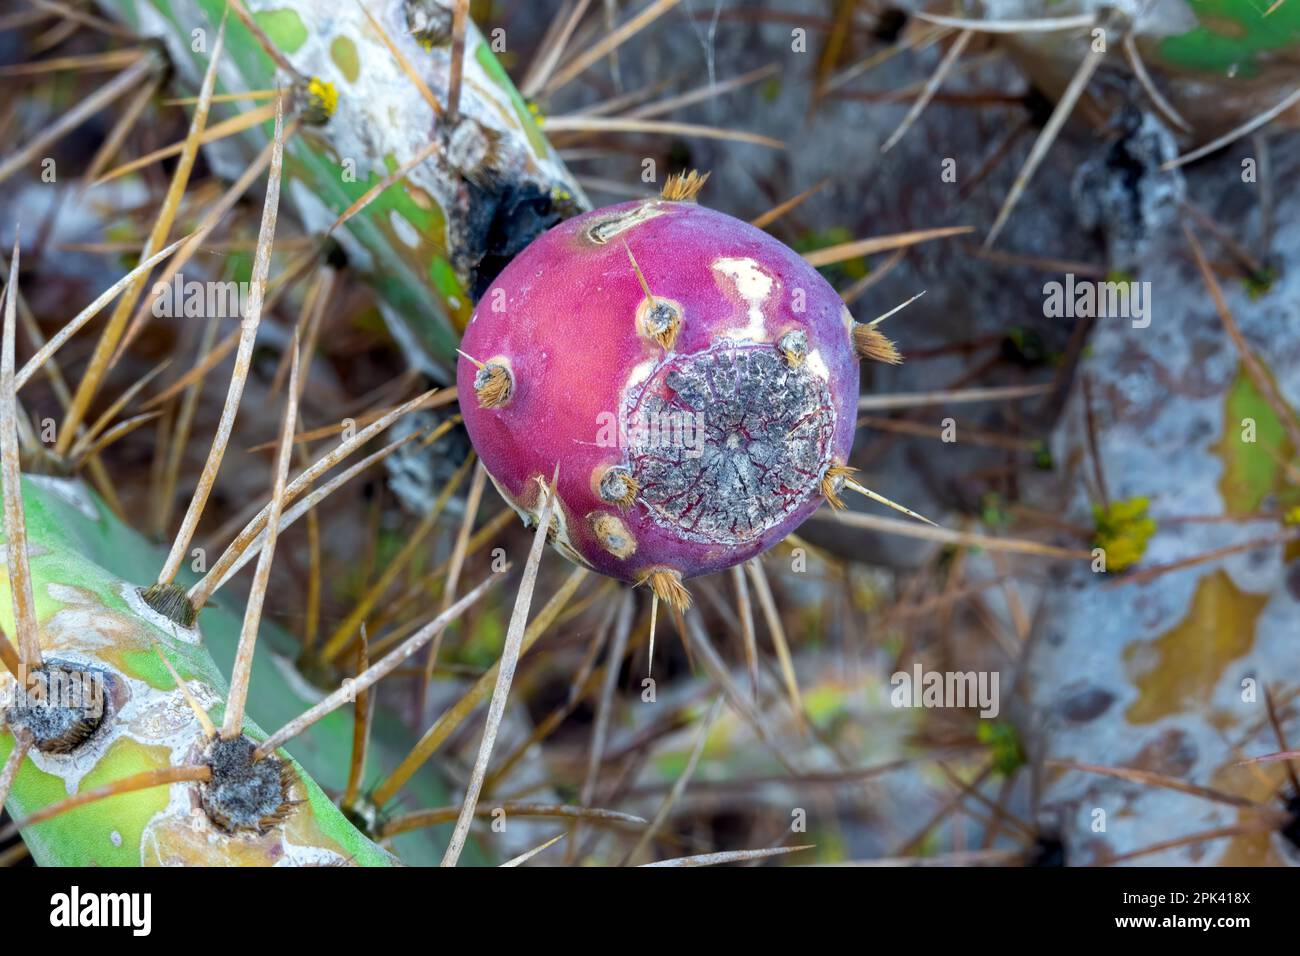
(568, 318)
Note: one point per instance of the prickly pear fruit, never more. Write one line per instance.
(694, 379)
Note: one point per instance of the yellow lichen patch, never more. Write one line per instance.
(684, 187)
(1250, 849)
(322, 101)
(1122, 531)
(1179, 670)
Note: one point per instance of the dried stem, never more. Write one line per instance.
(139, 781)
(1064, 107)
(510, 654)
(15, 522)
(776, 628)
(866, 247)
(679, 785)
(529, 854)
(109, 338)
(931, 87)
(57, 341)
(129, 79)
(730, 856)
(455, 715)
(22, 743)
(242, 671)
(748, 635)
(220, 571)
(1245, 129)
(611, 42)
(353, 687)
(337, 641)
(945, 536)
(243, 358)
(420, 819)
(457, 561)
(604, 706)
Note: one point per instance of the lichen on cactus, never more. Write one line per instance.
(137, 721)
(373, 83)
(694, 379)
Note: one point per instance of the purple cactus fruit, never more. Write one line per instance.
(694, 379)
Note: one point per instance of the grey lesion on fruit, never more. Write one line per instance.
(245, 795)
(793, 347)
(557, 535)
(605, 228)
(61, 707)
(494, 385)
(660, 319)
(729, 442)
(616, 486)
(612, 534)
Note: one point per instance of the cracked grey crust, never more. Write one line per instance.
(245, 794)
(616, 486)
(727, 443)
(62, 707)
(1124, 192)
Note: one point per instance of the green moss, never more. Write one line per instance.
(824, 703)
(284, 27)
(1003, 740)
(482, 647)
(1259, 284)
